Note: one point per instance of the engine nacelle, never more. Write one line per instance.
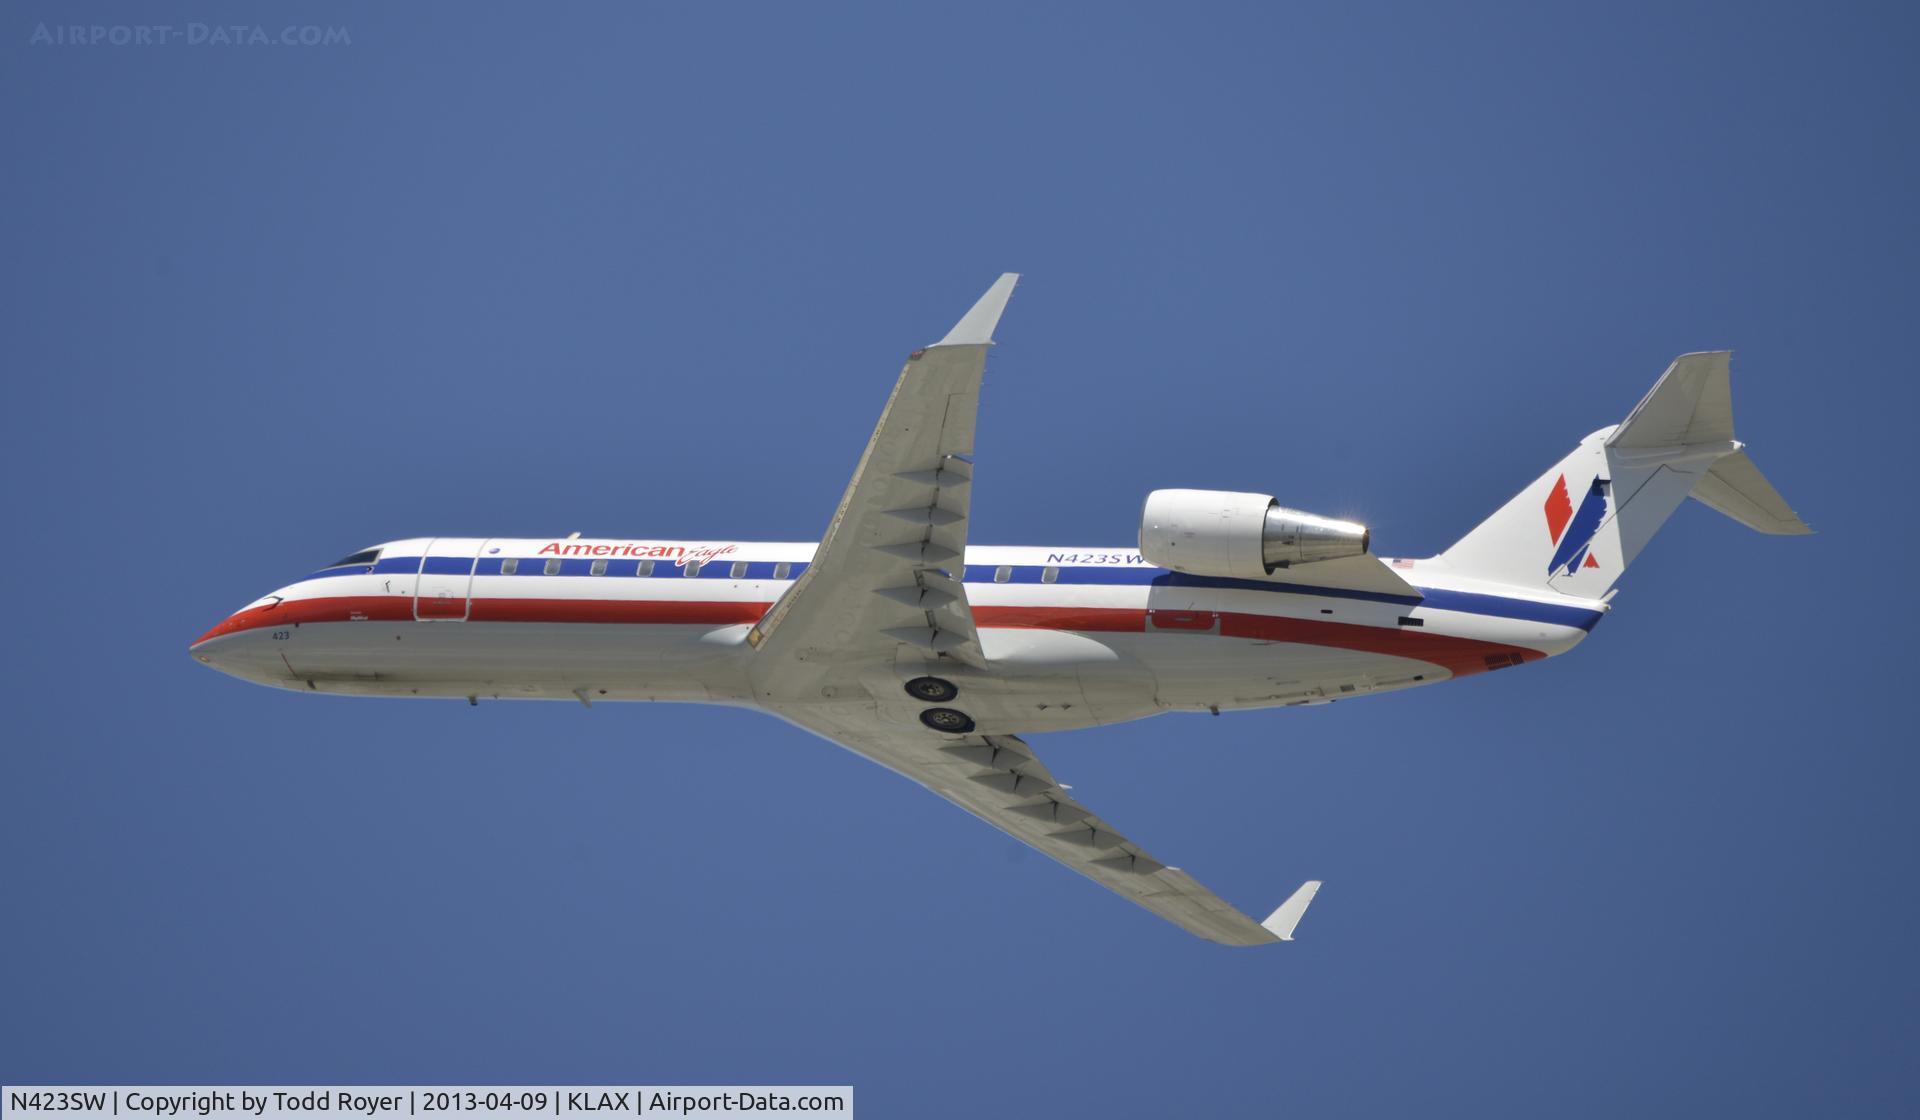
(1225, 533)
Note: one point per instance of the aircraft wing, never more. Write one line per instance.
(884, 572)
(999, 779)
(884, 581)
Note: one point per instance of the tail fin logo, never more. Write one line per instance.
(1572, 530)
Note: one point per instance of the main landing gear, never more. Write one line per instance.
(934, 690)
(947, 720)
(931, 689)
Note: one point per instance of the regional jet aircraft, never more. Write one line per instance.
(897, 639)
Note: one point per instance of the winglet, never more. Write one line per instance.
(1281, 922)
(976, 327)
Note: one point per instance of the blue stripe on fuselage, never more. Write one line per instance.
(1499, 606)
(1465, 602)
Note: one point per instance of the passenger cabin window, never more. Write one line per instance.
(367, 557)
(645, 568)
(739, 570)
(691, 570)
(510, 565)
(782, 570)
(599, 568)
(1003, 573)
(553, 566)
(1049, 574)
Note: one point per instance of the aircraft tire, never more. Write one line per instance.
(933, 690)
(947, 721)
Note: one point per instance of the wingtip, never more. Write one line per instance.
(975, 328)
(1282, 922)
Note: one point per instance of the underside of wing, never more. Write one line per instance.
(886, 573)
(999, 779)
(885, 586)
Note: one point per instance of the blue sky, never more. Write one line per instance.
(649, 271)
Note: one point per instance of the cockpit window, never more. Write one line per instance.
(367, 557)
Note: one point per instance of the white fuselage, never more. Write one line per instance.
(1071, 637)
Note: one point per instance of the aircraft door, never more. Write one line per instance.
(444, 591)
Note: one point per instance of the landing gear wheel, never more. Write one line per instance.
(947, 720)
(931, 689)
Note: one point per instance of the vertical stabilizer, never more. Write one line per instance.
(1577, 527)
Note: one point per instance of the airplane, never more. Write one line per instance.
(896, 638)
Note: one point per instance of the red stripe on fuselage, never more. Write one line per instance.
(1460, 656)
(389, 608)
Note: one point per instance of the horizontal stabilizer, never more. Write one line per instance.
(1281, 922)
(1736, 488)
(1692, 403)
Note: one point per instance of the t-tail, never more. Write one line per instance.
(1577, 527)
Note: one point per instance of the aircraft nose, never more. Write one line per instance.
(209, 647)
(206, 647)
